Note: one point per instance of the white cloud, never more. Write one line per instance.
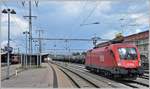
(140, 18)
(64, 7)
(76, 7)
(110, 34)
(136, 15)
(138, 30)
(18, 25)
(71, 7)
(144, 20)
(132, 8)
(4, 43)
(104, 6)
(148, 2)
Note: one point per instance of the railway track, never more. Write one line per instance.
(145, 77)
(133, 84)
(146, 71)
(146, 85)
(78, 80)
(128, 84)
(102, 82)
(55, 82)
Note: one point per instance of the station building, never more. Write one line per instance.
(141, 40)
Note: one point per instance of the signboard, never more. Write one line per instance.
(8, 49)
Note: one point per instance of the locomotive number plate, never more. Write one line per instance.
(130, 64)
(101, 58)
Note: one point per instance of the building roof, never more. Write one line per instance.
(130, 38)
(137, 36)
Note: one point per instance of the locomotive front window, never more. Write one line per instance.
(127, 53)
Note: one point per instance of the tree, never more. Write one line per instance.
(75, 53)
(83, 53)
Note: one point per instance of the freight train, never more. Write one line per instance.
(73, 59)
(115, 59)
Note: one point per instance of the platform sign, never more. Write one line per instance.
(8, 49)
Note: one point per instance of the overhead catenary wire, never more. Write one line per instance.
(4, 3)
(15, 20)
(20, 36)
(8, 7)
(80, 13)
(90, 13)
(38, 13)
(22, 5)
(15, 38)
(12, 15)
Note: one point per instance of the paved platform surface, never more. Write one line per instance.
(11, 70)
(31, 78)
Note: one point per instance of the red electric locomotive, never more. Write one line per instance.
(118, 59)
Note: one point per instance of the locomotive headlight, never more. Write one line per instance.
(139, 62)
(119, 63)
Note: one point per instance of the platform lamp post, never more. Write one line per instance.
(8, 11)
(26, 57)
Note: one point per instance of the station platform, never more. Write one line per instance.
(37, 78)
(32, 78)
(12, 71)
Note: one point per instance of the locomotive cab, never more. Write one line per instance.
(128, 61)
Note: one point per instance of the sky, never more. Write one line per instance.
(63, 19)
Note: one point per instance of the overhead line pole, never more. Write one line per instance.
(40, 44)
(26, 55)
(30, 30)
